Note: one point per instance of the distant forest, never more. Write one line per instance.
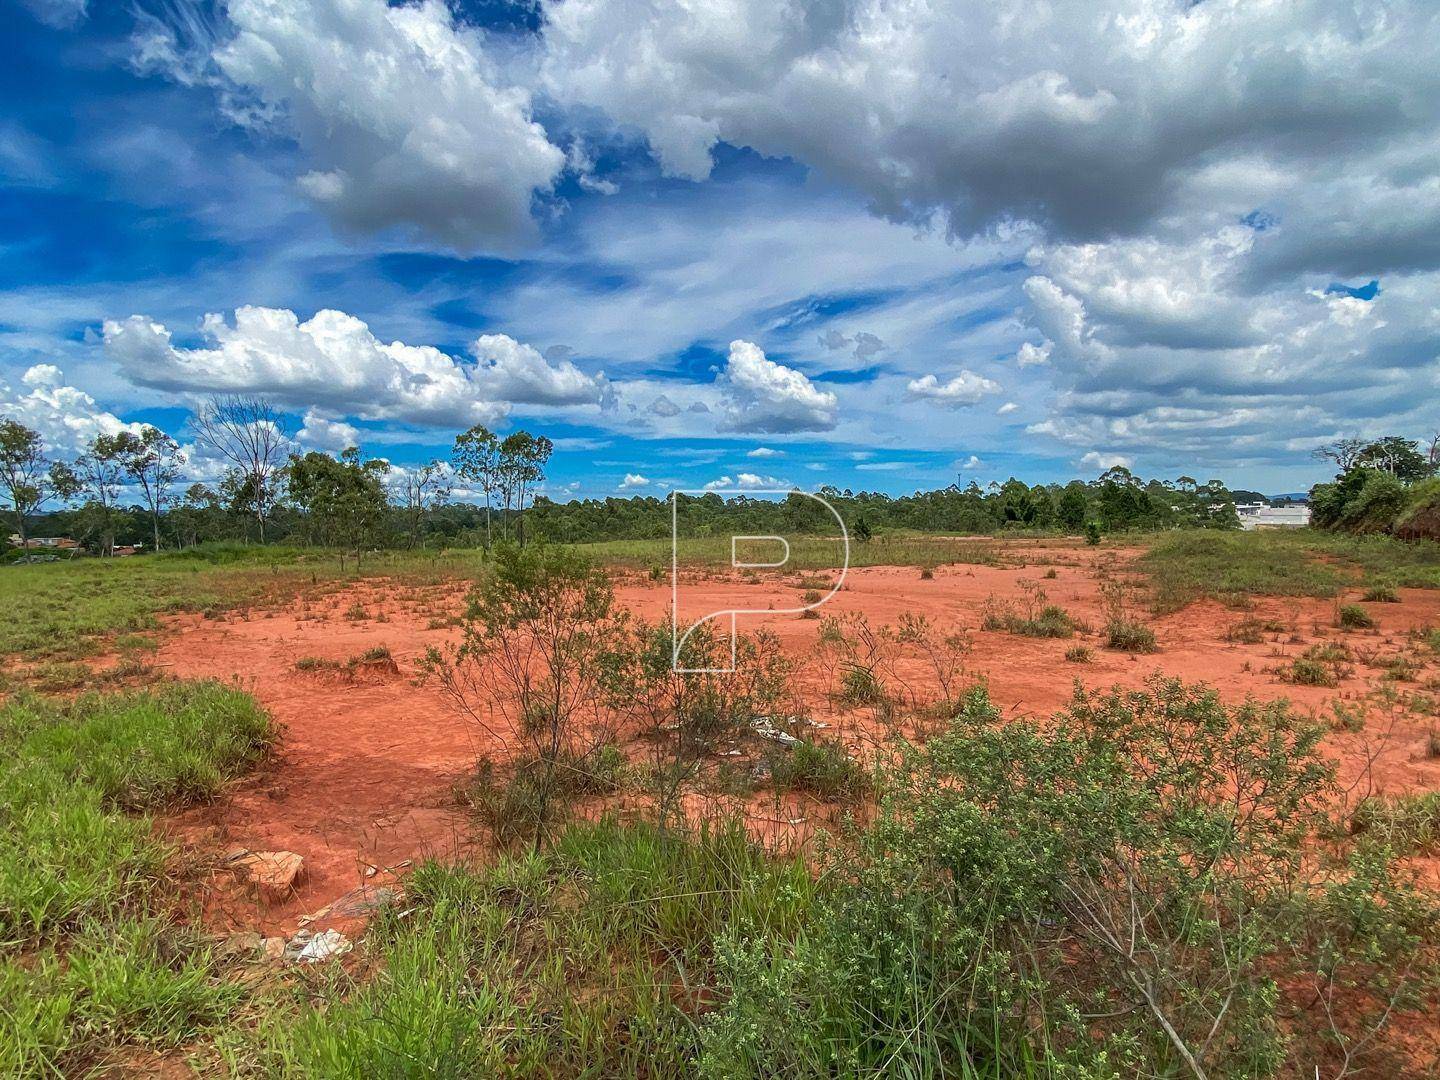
(130, 490)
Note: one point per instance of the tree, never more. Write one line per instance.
(196, 514)
(522, 465)
(250, 435)
(343, 498)
(27, 478)
(153, 461)
(421, 488)
(1343, 452)
(476, 458)
(1072, 506)
(1399, 457)
(100, 473)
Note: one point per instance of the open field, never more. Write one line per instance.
(623, 948)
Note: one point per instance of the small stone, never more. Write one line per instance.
(274, 873)
(324, 946)
(273, 948)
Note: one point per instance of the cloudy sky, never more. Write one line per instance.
(736, 243)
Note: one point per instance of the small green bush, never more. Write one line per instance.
(1079, 654)
(820, 768)
(1130, 636)
(1381, 594)
(1355, 617)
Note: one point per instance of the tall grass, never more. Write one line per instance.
(90, 953)
(1186, 566)
(806, 552)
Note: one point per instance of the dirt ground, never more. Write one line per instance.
(363, 781)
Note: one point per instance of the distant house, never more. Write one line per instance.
(1259, 516)
(50, 543)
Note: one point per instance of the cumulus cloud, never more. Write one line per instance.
(1090, 121)
(763, 396)
(1031, 355)
(748, 481)
(401, 115)
(634, 480)
(332, 362)
(1095, 459)
(966, 388)
(519, 374)
(663, 406)
(326, 433)
(66, 418)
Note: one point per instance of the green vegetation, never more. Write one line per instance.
(92, 955)
(1158, 913)
(1355, 617)
(818, 768)
(1407, 823)
(1033, 616)
(1129, 636)
(1186, 566)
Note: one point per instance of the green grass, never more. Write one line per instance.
(1407, 823)
(1185, 566)
(67, 610)
(818, 768)
(91, 955)
(589, 960)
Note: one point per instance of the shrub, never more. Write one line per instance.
(1079, 654)
(1092, 533)
(1407, 823)
(1130, 636)
(1381, 594)
(1308, 671)
(1355, 617)
(927, 573)
(861, 686)
(993, 917)
(820, 768)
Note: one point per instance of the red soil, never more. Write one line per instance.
(363, 779)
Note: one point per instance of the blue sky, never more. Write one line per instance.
(766, 245)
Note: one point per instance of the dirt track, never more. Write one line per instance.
(364, 774)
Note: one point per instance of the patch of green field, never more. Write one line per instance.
(1185, 566)
(91, 955)
(64, 611)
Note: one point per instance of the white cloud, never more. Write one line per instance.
(763, 396)
(401, 114)
(663, 406)
(966, 388)
(1031, 355)
(333, 362)
(65, 417)
(634, 480)
(1006, 409)
(1097, 460)
(748, 481)
(516, 373)
(61, 14)
(764, 452)
(970, 464)
(325, 433)
(1094, 121)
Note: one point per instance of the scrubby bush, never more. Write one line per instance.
(1355, 617)
(819, 768)
(1139, 918)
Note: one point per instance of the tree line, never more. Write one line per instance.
(130, 488)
